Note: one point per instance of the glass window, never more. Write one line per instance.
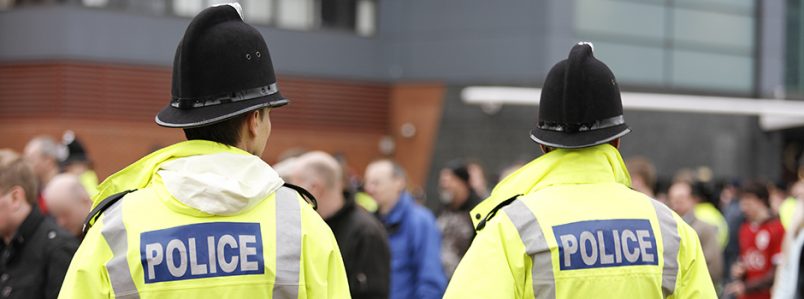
(706, 45)
(712, 71)
(618, 18)
(366, 17)
(338, 14)
(187, 8)
(633, 64)
(296, 14)
(744, 6)
(95, 3)
(715, 29)
(257, 11)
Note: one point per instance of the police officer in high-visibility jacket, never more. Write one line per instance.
(567, 224)
(207, 218)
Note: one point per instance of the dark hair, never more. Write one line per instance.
(226, 132)
(757, 189)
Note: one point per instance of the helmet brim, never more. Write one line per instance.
(578, 139)
(173, 117)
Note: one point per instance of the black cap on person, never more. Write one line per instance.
(580, 103)
(222, 69)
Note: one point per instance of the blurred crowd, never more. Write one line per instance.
(392, 245)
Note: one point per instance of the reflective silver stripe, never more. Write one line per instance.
(243, 95)
(596, 125)
(670, 243)
(116, 236)
(288, 244)
(536, 247)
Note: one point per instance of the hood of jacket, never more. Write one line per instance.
(596, 164)
(208, 176)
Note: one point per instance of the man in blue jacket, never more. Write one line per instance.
(414, 239)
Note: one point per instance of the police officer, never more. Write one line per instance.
(567, 224)
(207, 217)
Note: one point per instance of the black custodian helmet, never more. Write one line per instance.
(222, 69)
(580, 104)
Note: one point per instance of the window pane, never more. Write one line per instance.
(633, 64)
(338, 14)
(187, 8)
(698, 70)
(95, 3)
(296, 14)
(619, 18)
(746, 6)
(366, 21)
(714, 29)
(257, 11)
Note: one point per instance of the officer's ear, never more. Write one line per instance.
(253, 121)
(615, 143)
(545, 149)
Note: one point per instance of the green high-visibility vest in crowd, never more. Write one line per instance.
(206, 221)
(579, 231)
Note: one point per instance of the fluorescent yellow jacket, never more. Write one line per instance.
(786, 211)
(578, 231)
(708, 213)
(90, 182)
(207, 221)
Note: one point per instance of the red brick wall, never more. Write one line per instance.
(111, 108)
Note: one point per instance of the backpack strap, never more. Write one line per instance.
(102, 206)
(482, 223)
(308, 197)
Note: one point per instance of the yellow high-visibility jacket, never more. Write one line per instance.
(578, 231)
(206, 221)
(708, 213)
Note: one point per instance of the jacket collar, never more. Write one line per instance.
(348, 206)
(140, 173)
(24, 234)
(400, 209)
(597, 164)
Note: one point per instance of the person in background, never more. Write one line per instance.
(477, 178)
(44, 155)
(78, 163)
(788, 206)
(69, 202)
(707, 212)
(761, 238)
(34, 251)
(682, 201)
(643, 175)
(416, 271)
(509, 169)
(789, 281)
(730, 205)
(458, 198)
(361, 237)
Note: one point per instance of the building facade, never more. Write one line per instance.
(382, 78)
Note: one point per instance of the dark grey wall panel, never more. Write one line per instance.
(459, 41)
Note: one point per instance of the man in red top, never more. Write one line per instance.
(760, 245)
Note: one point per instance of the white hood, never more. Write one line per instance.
(220, 184)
